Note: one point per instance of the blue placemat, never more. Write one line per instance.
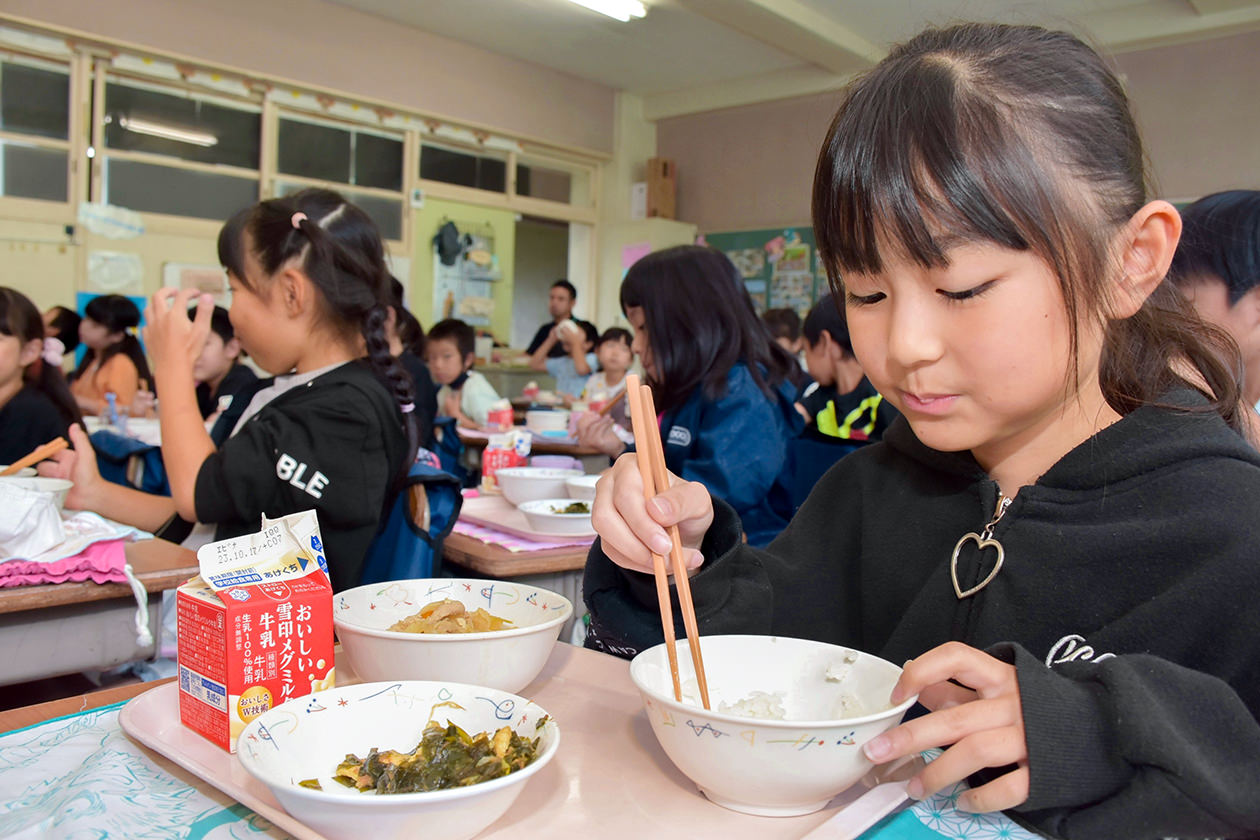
(80, 778)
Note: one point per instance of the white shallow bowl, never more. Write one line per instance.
(59, 487)
(762, 766)
(547, 420)
(504, 659)
(542, 518)
(25, 472)
(524, 484)
(582, 487)
(309, 736)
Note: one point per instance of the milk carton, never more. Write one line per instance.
(255, 627)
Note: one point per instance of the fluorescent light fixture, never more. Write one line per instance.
(622, 10)
(168, 132)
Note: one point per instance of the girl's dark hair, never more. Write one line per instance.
(67, 323)
(116, 314)
(340, 250)
(19, 318)
(827, 316)
(617, 334)
(1220, 238)
(1021, 137)
(700, 321)
(406, 325)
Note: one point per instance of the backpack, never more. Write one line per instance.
(446, 444)
(409, 542)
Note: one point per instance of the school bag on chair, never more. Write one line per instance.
(445, 443)
(409, 542)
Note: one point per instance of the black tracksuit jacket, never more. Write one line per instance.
(1127, 603)
(333, 445)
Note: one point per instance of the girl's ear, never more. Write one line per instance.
(30, 351)
(831, 346)
(232, 349)
(1145, 247)
(297, 294)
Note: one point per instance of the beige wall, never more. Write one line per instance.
(330, 46)
(1198, 106)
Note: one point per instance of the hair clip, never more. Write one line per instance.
(297, 220)
(407, 408)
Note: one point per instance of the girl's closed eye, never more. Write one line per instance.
(854, 299)
(968, 294)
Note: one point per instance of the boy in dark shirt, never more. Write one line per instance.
(841, 406)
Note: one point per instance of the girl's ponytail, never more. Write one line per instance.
(394, 375)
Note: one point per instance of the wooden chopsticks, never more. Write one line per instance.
(651, 459)
(611, 404)
(40, 453)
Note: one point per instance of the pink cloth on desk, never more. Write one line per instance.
(510, 541)
(100, 562)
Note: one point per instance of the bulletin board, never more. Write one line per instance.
(780, 266)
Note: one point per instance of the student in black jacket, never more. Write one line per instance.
(335, 431)
(1057, 534)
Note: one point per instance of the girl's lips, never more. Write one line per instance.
(928, 403)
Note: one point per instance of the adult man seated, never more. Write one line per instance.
(546, 343)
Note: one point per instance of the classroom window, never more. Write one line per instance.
(385, 211)
(180, 125)
(539, 182)
(32, 172)
(463, 168)
(34, 100)
(151, 188)
(344, 155)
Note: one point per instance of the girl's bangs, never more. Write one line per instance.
(898, 174)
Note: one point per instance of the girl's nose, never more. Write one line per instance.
(913, 334)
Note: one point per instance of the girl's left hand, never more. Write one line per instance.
(170, 337)
(984, 722)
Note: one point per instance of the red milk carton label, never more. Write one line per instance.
(255, 628)
(502, 451)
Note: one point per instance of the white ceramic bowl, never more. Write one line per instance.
(504, 659)
(582, 487)
(25, 472)
(59, 487)
(309, 736)
(763, 766)
(524, 484)
(542, 517)
(547, 420)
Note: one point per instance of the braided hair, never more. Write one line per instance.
(341, 252)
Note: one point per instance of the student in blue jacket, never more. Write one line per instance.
(723, 387)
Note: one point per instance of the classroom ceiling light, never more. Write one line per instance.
(622, 10)
(168, 132)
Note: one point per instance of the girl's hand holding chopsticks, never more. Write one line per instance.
(630, 529)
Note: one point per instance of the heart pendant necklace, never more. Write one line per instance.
(983, 540)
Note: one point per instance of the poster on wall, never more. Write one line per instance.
(205, 279)
(465, 266)
(779, 266)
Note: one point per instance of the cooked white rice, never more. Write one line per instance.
(759, 704)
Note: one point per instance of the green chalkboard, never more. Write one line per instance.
(779, 265)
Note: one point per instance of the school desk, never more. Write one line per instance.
(592, 459)
(64, 628)
(610, 778)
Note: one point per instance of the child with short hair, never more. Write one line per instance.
(114, 362)
(224, 385)
(784, 324)
(463, 393)
(35, 404)
(840, 405)
(333, 433)
(1058, 537)
(615, 353)
(62, 323)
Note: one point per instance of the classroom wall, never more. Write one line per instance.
(331, 46)
(1198, 106)
(542, 258)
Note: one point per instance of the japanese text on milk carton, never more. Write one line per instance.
(255, 627)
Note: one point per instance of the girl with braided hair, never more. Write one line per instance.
(336, 432)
